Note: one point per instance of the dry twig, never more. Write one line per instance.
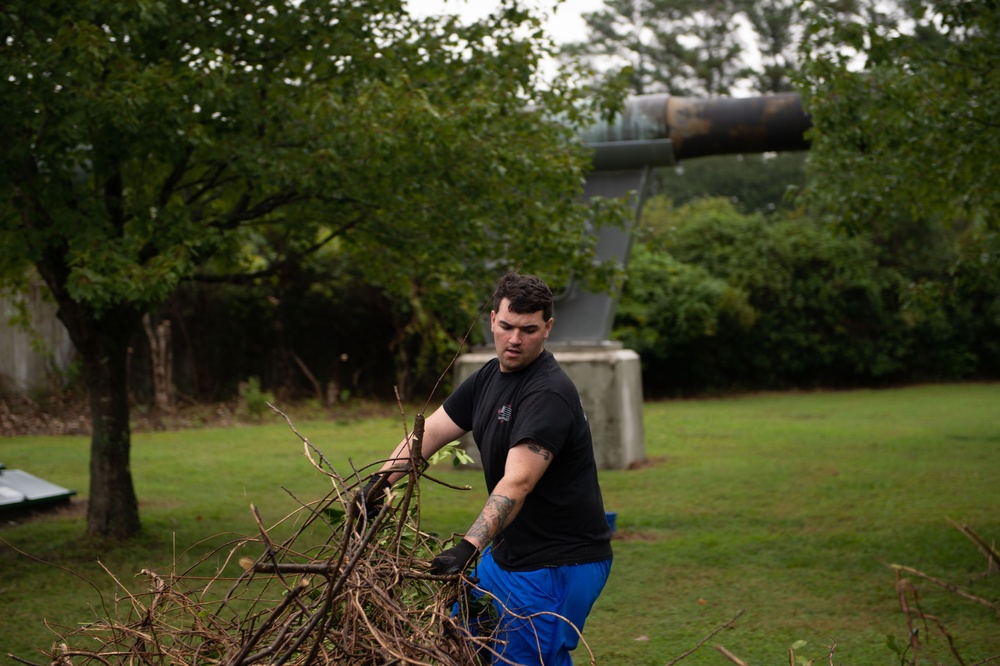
(730, 656)
(708, 638)
(910, 600)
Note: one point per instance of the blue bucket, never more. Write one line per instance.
(612, 516)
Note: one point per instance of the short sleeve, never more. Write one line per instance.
(544, 418)
(461, 403)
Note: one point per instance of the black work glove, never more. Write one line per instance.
(454, 560)
(370, 500)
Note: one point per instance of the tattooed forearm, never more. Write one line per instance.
(493, 518)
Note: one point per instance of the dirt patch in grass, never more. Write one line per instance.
(648, 462)
(22, 515)
(637, 535)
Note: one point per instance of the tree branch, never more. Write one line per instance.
(708, 638)
(208, 183)
(171, 181)
(278, 265)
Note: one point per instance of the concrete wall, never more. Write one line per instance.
(609, 380)
(26, 357)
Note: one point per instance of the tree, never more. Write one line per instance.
(755, 183)
(684, 47)
(148, 143)
(676, 46)
(777, 26)
(905, 108)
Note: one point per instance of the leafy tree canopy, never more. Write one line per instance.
(905, 104)
(145, 138)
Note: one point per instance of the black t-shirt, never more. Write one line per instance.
(562, 520)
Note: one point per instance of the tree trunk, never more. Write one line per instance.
(103, 344)
(161, 356)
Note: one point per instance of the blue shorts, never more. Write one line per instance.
(532, 605)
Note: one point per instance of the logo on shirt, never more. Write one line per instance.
(504, 413)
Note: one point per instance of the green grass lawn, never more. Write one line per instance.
(787, 507)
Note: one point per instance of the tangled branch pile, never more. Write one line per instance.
(358, 594)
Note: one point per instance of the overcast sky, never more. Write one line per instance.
(564, 25)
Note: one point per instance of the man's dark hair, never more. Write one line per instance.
(526, 293)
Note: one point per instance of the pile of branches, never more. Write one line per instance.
(358, 593)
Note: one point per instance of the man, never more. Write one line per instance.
(543, 532)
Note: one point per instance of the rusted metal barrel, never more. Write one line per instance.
(658, 130)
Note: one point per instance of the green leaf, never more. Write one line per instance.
(335, 516)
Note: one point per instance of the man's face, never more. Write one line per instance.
(519, 338)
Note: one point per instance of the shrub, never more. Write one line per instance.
(681, 320)
(255, 399)
(794, 303)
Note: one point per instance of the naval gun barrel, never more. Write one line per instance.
(659, 130)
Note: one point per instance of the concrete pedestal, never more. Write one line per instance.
(609, 380)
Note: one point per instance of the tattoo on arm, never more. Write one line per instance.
(540, 450)
(493, 518)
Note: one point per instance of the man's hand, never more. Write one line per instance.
(369, 501)
(454, 560)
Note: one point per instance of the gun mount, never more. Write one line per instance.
(655, 131)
